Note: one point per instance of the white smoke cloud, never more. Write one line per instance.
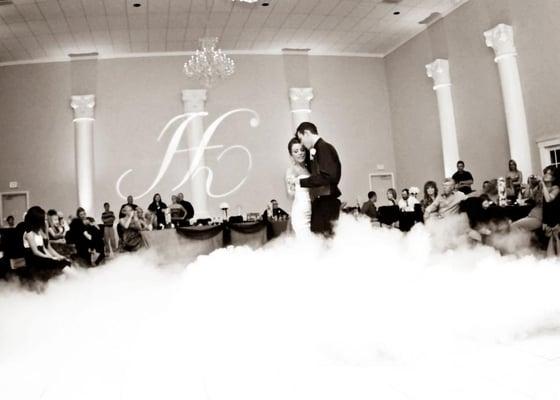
(369, 314)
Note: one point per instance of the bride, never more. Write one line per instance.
(301, 207)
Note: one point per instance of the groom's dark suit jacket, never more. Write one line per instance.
(325, 171)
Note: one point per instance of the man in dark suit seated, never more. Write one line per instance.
(274, 212)
(188, 208)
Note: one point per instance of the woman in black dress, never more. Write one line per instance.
(40, 258)
(158, 207)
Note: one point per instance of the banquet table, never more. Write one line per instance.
(279, 227)
(185, 244)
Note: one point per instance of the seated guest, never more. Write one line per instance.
(86, 238)
(551, 209)
(142, 218)
(40, 258)
(533, 195)
(158, 207)
(108, 218)
(515, 176)
(485, 186)
(79, 237)
(11, 221)
(407, 202)
(492, 190)
(485, 218)
(532, 191)
(55, 230)
(273, 211)
(63, 222)
(447, 202)
(188, 208)
(511, 192)
(97, 243)
(369, 208)
(132, 225)
(177, 211)
(430, 194)
(149, 221)
(392, 196)
(463, 179)
(414, 192)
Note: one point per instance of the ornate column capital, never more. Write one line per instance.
(300, 99)
(439, 72)
(83, 106)
(500, 38)
(194, 100)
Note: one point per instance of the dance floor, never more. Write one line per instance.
(370, 314)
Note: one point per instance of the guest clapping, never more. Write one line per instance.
(131, 225)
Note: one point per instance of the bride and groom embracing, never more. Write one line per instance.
(313, 180)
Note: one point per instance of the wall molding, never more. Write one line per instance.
(182, 53)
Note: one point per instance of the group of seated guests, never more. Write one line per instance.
(504, 204)
(47, 239)
(48, 242)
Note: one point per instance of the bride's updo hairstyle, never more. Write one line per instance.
(291, 143)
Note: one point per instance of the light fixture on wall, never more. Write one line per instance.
(245, 1)
(209, 64)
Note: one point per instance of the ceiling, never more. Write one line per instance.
(39, 29)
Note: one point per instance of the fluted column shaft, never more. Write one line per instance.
(83, 107)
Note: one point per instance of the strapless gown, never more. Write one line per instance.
(301, 211)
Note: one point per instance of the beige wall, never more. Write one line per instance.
(135, 97)
(481, 125)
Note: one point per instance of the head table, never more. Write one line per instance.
(185, 244)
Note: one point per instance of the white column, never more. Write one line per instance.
(501, 40)
(193, 102)
(300, 99)
(83, 142)
(439, 72)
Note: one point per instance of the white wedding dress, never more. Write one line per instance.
(301, 207)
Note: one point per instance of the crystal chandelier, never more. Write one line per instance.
(208, 64)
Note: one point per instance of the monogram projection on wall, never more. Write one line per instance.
(196, 165)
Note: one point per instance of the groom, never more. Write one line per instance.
(325, 169)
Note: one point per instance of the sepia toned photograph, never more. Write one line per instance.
(279, 200)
